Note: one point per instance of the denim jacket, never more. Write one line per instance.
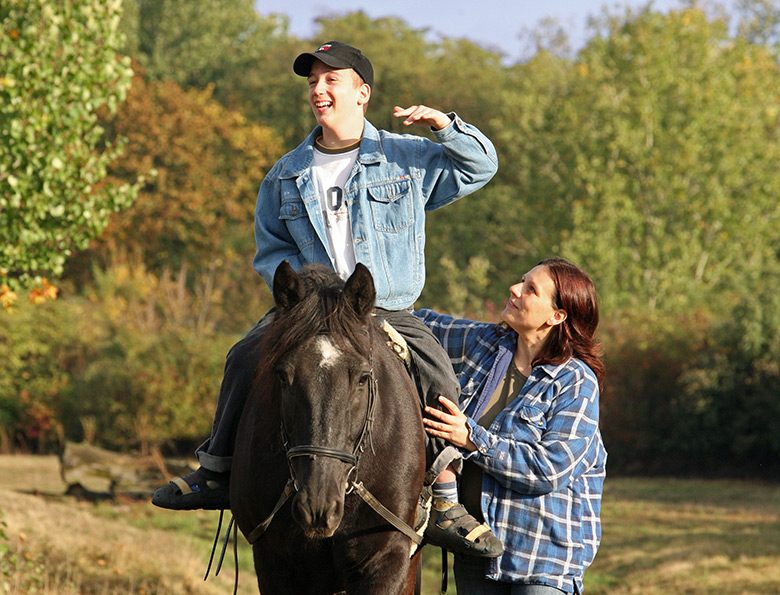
(396, 178)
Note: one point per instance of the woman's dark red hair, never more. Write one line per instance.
(575, 294)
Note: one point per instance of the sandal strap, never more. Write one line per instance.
(477, 532)
(182, 485)
(450, 514)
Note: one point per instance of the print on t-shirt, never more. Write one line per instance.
(335, 196)
(330, 172)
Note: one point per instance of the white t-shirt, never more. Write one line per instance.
(330, 170)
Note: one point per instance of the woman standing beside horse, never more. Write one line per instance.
(535, 461)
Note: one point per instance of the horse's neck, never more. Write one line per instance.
(398, 404)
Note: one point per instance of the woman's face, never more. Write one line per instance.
(531, 306)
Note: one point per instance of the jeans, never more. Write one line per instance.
(470, 580)
(432, 371)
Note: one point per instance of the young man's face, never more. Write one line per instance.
(336, 95)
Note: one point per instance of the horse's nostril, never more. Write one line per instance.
(333, 515)
(318, 516)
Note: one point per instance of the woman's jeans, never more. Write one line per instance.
(470, 579)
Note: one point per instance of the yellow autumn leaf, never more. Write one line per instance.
(7, 297)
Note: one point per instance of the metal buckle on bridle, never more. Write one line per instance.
(286, 447)
(351, 483)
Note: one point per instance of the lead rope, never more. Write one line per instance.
(444, 571)
(232, 526)
(214, 546)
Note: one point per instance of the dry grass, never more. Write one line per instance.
(666, 536)
(661, 537)
(62, 547)
(51, 544)
(31, 473)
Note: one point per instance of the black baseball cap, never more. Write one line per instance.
(336, 55)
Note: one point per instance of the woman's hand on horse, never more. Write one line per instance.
(449, 424)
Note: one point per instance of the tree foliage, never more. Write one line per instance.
(132, 364)
(225, 45)
(759, 23)
(207, 162)
(649, 158)
(674, 176)
(59, 68)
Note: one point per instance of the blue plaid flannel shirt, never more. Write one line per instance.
(543, 457)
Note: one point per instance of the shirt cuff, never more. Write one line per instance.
(455, 126)
(481, 439)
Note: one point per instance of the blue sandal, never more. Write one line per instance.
(200, 490)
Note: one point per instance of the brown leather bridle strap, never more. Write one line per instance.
(288, 490)
(386, 513)
(361, 491)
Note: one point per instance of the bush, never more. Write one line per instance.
(133, 365)
(697, 396)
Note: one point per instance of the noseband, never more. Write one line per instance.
(352, 459)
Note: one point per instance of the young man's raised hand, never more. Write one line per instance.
(423, 115)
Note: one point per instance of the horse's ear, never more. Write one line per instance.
(288, 287)
(359, 290)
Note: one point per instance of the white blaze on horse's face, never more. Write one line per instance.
(328, 352)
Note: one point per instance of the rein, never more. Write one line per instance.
(351, 459)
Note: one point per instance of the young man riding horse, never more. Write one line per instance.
(348, 194)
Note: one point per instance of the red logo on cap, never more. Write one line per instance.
(324, 48)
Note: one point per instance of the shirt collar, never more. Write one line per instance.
(509, 342)
(370, 151)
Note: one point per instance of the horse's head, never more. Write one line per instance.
(323, 371)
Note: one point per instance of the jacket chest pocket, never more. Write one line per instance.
(392, 207)
(294, 215)
(533, 416)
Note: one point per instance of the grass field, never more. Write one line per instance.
(660, 537)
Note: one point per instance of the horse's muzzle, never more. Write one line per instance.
(318, 514)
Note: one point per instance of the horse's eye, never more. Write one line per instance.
(283, 375)
(364, 379)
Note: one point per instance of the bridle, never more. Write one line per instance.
(352, 459)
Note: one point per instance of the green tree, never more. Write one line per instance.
(195, 216)
(520, 215)
(208, 162)
(759, 23)
(650, 160)
(59, 68)
(155, 366)
(674, 163)
(224, 44)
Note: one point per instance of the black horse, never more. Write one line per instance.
(333, 415)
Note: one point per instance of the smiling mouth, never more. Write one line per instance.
(322, 105)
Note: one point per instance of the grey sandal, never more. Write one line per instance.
(456, 530)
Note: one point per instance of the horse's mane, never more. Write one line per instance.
(321, 311)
